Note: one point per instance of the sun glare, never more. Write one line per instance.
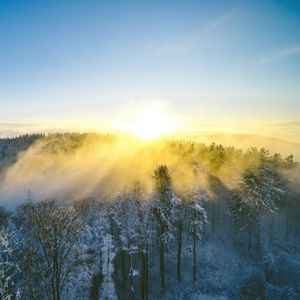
(151, 124)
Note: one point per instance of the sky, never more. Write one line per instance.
(215, 65)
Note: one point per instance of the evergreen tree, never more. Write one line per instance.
(260, 194)
(197, 221)
(163, 210)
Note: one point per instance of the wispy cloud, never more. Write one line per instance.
(17, 125)
(198, 38)
(223, 19)
(279, 55)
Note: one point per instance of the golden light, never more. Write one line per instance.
(151, 124)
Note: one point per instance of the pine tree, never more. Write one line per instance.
(198, 219)
(163, 210)
(260, 193)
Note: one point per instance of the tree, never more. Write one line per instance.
(27, 253)
(180, 214)
(144, 233)
(198, 219)
(260, 193)
(86, 280)
(8, 267)
(163, 211)
(49, 233)
(108, 291)
(126, 222)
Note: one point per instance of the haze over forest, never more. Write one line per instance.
(149, 150)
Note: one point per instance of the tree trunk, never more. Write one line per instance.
(257, 238)
(194, 255)
(142, 274)
(179, 250)
(261, 246)
(96, 283)
(297, 227)
(287, 224)
(131, 276)
(213, 217)
(162, 259)
(57, 293)
(249, 238)
(218, 214)
(123, 267)
(53, 287)
(146, 274)
(162, 265)
(56, 272)
(271, 230)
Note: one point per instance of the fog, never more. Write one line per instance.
(70, 166)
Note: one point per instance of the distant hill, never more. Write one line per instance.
(245, 141)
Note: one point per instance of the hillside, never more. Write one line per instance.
(87, 216)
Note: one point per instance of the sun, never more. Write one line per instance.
(151, 123)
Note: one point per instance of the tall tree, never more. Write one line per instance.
(163, 210)
(108, 290)
(260, 194)
(144, 233)
(197, 221)
(180, 217)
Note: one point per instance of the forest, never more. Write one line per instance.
(90, 216)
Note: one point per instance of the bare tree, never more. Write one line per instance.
(50, 233)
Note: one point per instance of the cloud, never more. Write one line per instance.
(280, 55)
(17, 125)
(222, 19)
(198, 38)
(288, 123)
(13, 129)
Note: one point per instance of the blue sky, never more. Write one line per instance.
(76, 62)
